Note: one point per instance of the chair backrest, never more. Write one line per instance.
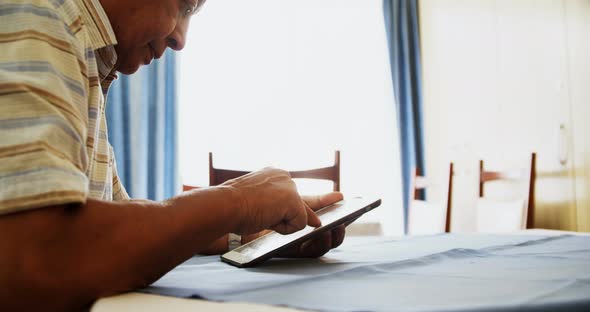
(523, 204)
(427, 217)
(332, 173)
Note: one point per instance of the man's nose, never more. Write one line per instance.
(177, 39)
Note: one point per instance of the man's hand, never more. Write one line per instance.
(320, 245)
(269, 200)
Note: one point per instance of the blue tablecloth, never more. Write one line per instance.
(449, 272)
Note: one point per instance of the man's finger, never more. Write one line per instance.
(320, 201)
(317, 247)
(338, 234)
(312, 218)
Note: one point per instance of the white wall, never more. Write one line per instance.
(285, 83)
(498, 84)
(578, 30)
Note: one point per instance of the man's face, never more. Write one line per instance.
(145, 28)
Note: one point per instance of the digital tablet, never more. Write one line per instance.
(271, 244)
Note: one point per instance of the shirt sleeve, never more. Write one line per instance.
(43, 110)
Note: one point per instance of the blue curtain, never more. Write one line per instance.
(403, 37)
(141, 116)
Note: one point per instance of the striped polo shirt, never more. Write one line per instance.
(56, 65)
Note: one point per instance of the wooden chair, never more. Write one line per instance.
(332, 173)
(525, 176)
(429, 214)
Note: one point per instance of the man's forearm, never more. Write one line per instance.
(65, 257)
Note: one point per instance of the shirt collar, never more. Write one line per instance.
(98, 25)
(101, 35)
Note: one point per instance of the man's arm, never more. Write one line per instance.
(65, 257)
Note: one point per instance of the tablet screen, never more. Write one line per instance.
(331, 216)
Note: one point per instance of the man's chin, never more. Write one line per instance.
(127, 69)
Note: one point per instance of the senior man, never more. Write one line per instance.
(69, 234)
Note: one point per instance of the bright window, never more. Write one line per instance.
(285, 83)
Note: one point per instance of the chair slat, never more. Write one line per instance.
(527, 174)
(218, 176)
